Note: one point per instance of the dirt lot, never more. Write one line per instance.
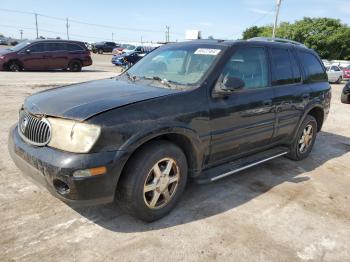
(279, 211)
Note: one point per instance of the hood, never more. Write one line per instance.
(5, 51)
(82, 101)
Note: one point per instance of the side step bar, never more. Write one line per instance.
(225, 170)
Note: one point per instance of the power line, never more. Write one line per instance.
(61, 33)
(87, 23)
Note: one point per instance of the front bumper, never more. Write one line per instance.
(50, 167)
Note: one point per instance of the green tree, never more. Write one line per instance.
(327, 36)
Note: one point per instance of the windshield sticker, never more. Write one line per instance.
(207, 51)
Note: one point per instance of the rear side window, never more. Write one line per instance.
(285, 70)
(55, 47)
(74, 47)
(313, 68)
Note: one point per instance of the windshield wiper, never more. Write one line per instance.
(157, 78)
(131, 78)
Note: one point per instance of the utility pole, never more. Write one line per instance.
(278, 2)
(21, 32)
(167, 35)
(36, 25)
(67, 27)
(112, 37)
(141, 40)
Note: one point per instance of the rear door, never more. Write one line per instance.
(243, 121)
(291, 94)
(58, 55)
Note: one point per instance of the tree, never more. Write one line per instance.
(327, 36)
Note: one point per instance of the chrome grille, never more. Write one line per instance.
(34, 130)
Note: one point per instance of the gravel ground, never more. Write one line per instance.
(279, 211)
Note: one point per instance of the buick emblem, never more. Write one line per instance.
(24, 124)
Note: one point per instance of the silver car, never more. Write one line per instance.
(335, 74)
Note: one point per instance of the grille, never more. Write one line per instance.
(34, 130)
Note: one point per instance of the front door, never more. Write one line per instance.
(243, 121)
(35, 57)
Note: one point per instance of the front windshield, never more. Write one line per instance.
(19, 46)
(184, 65)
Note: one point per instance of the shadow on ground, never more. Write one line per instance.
(202, 201)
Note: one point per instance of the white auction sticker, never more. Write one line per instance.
(207, 51)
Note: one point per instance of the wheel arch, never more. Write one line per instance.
(187, 143)
(6, 65)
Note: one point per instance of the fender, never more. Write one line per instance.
(307, 110)
(198, 146)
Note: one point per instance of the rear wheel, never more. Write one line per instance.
(75, 66)
(14, 66)
(153, 181)
(305, 139)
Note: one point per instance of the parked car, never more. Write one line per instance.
(345, 96)
(104, 47)
(346, 73)
(119, 49)
(326, 62)
(335, 74)
(128, 59)
(45, 55)
(3, 41)
(203, 109)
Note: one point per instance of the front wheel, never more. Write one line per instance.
(14, 67)
(153, 181)
(305, 139)
(340, 79)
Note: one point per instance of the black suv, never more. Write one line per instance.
(200, 109)
(102, 47)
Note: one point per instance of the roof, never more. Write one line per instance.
(277, 42)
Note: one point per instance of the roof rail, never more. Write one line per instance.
(278, 40)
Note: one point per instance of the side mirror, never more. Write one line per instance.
(230, 84)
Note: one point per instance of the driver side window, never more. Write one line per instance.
(250, 65)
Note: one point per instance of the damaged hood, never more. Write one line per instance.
(82, 101)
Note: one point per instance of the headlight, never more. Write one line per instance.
(2, 57)
(72, 136)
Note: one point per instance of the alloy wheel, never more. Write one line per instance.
(306, 139)
(161, 183)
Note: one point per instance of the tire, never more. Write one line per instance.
(14, 66)
(75, 66)
(304, 136)
(340, 79)
(100, 51)
(138, 192)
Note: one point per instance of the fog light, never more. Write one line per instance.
(90, 172)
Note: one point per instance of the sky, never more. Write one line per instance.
(131, 21)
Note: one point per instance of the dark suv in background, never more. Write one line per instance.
(104, 47)
(203, 109)
(45, 55)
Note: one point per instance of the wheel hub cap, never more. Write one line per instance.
(306, 138)
(161, 183)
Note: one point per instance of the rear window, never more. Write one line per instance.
(312, 66)
(285, 70)
(74, 47)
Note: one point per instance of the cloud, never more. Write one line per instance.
(260, 11)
